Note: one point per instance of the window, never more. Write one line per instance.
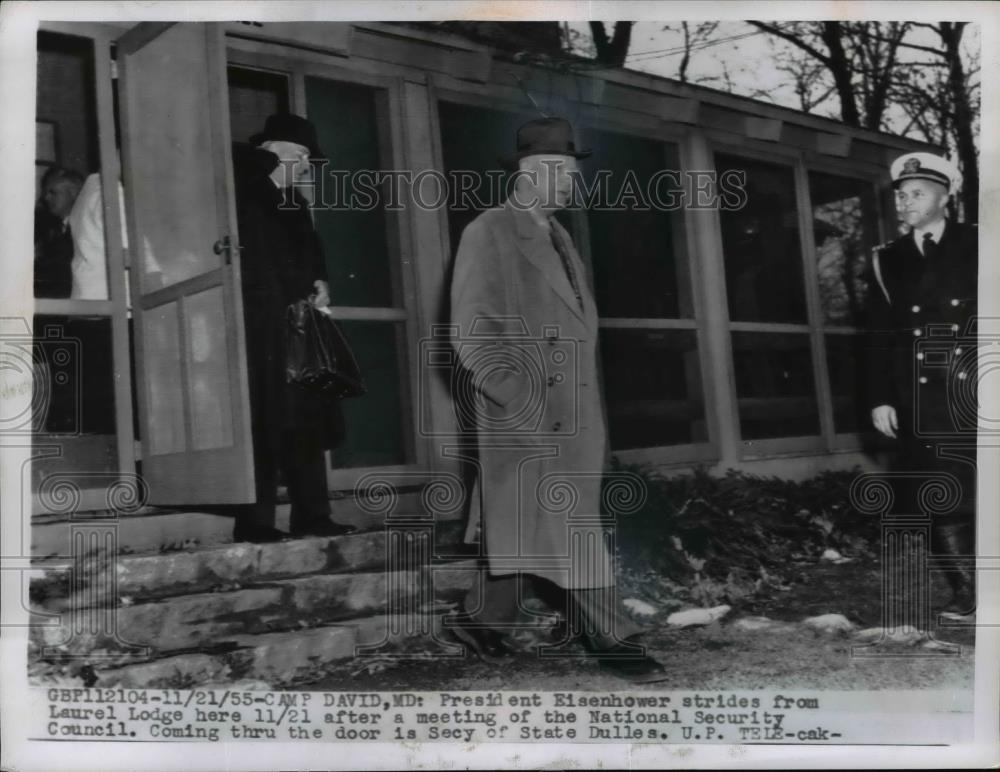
(796, 328)
(649, 341)
(761, 246)
(845, 228)
(362, 259)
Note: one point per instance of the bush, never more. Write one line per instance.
(708, 539)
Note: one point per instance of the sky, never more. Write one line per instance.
(742, 51)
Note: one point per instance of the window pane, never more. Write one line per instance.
(774, 385)
(208, 370)
(74, 383)
(845, 227)
(652, 387)
(374, 423)
(349, 124)
(843, 352)
(253, 96)
(638, 256)
(66, 152)
(164, 388)
(761, 245)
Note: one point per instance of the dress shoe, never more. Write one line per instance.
(625, 662)
(257, 534)
(487, 644)
(323, 528)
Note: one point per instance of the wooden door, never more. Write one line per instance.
(188, 312)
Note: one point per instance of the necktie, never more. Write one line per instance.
(929, 245)
(563, 252)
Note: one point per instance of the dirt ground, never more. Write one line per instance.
(719, 656)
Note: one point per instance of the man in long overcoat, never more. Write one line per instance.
(282, 261)
(528, 334)
(922, 359)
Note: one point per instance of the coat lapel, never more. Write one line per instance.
(536, 246)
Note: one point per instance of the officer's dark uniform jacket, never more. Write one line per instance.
(921, 353)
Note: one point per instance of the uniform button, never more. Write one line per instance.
(920, 355)
(962, 375)
(954, 301)
(954, 328)
(958, 350)
(918, 332)
(556, 426)
(915, 309)
(923, 379)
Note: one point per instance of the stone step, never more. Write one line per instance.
(149, 531)
(147, 630)
(286, 658)
(149, 577)
(278, 659)
(155, 529)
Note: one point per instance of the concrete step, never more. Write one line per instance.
(112, 634)
(148, 577)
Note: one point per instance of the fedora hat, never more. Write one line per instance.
(287, 127)
(545, 136)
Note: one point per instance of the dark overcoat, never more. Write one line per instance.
(529, 351)
(922, 350)
(281, 256)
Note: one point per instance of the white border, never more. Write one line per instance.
(17, 58)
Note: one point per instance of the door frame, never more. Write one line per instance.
(411, 312)
(116, 307)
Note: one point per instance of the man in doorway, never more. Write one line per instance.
(282, 262)
(53, 234)
(922, 357)
(520, 298)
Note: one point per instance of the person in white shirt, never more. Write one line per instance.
(90, 257)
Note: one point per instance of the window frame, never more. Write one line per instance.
(801, 162)
(115, 307)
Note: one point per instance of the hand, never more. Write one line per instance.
(321, 299)
(884, 419)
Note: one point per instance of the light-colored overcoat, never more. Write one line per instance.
(528, 349)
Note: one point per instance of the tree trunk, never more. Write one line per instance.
(840, 68)
(965, 145)
(612, 52)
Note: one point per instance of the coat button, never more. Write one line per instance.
(915, 309)
(923, 379)
(962, 375)
(551, 381)
(556, 426)
(958, 350)
(918, 332)
(920, 355)
(955, 301)
(954, 328)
